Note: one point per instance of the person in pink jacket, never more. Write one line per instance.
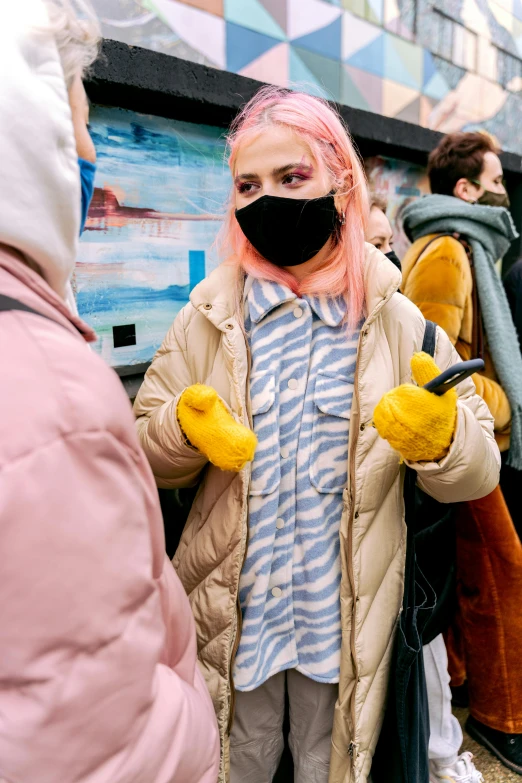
(98, 675)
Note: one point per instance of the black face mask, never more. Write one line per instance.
(288, 231)
(394, 258)
(491, 199)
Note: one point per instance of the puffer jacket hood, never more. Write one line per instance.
(39, 175)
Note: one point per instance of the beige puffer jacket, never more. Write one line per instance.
(206, 344)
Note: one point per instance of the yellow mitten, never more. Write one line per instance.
(416, 422)
(212, 430)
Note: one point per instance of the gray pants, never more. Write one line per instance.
(256, 741)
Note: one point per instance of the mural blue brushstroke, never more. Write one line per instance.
(161, 192)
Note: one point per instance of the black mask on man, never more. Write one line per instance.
(288, 231)
(490, 199)
(394, 258)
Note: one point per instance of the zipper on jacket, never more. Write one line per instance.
(239, 624)
(352, 748)
(239, 615)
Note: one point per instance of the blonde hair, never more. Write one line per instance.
(314, 121)
(378, 201)
(76, 30)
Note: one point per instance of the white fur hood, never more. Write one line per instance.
(39, 175)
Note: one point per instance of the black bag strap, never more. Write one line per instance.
(7, 303)
(430, 338)
(410, 481)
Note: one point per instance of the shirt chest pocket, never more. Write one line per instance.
(331, 423)
(266, 470)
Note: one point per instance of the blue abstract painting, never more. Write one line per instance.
(161, 190)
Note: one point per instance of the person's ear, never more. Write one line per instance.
(466, 190)
(341, 202)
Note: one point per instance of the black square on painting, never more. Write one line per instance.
(124, 335)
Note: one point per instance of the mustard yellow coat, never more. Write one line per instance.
(438, 280)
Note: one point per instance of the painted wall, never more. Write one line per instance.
(449, 65)
(161, 190)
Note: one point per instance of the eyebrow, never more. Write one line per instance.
(277, 171)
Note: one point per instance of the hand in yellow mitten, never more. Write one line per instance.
(416, 422)
(212, 430)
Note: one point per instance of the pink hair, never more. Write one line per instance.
(313, 120)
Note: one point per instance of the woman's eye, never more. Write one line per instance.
(293, 179)
(246, 187)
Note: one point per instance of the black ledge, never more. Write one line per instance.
(152, 83)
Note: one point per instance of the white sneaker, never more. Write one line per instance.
(463, 771)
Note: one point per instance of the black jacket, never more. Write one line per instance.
(513, 286)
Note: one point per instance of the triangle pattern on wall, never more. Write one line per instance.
(351, 95)
(244, 45)
(303, 77)
(411, 112)
(278, 10)
(200, 30)
(402, 62)
(253, 15)
(271, 67)
(429, 67)
(396, 97)
(368, 85)
(370, 58)
(305, 16)
(357, 34)
(436, 87)
(325, 41)
(327, 72)
(374, 10)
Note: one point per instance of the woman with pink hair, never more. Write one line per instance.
(263, 394)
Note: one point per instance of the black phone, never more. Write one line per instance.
(453, 375)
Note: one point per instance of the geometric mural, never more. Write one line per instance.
(385, 56)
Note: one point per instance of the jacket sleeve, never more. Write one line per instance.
(439, 284)
(175, 464)
(471, 469)
(496, 399)
(89, 692)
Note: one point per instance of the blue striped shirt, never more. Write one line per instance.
(301, 388)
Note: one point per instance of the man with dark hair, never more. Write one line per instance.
(467, 165)
(459, 233)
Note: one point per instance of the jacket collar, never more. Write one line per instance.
(263, 296)
(216, 296)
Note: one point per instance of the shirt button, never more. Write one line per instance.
(292, 383)
(298, 312)
(276, 592)
(280, 523)
(285, 452)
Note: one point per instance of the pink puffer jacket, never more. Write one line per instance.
(98, 675)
